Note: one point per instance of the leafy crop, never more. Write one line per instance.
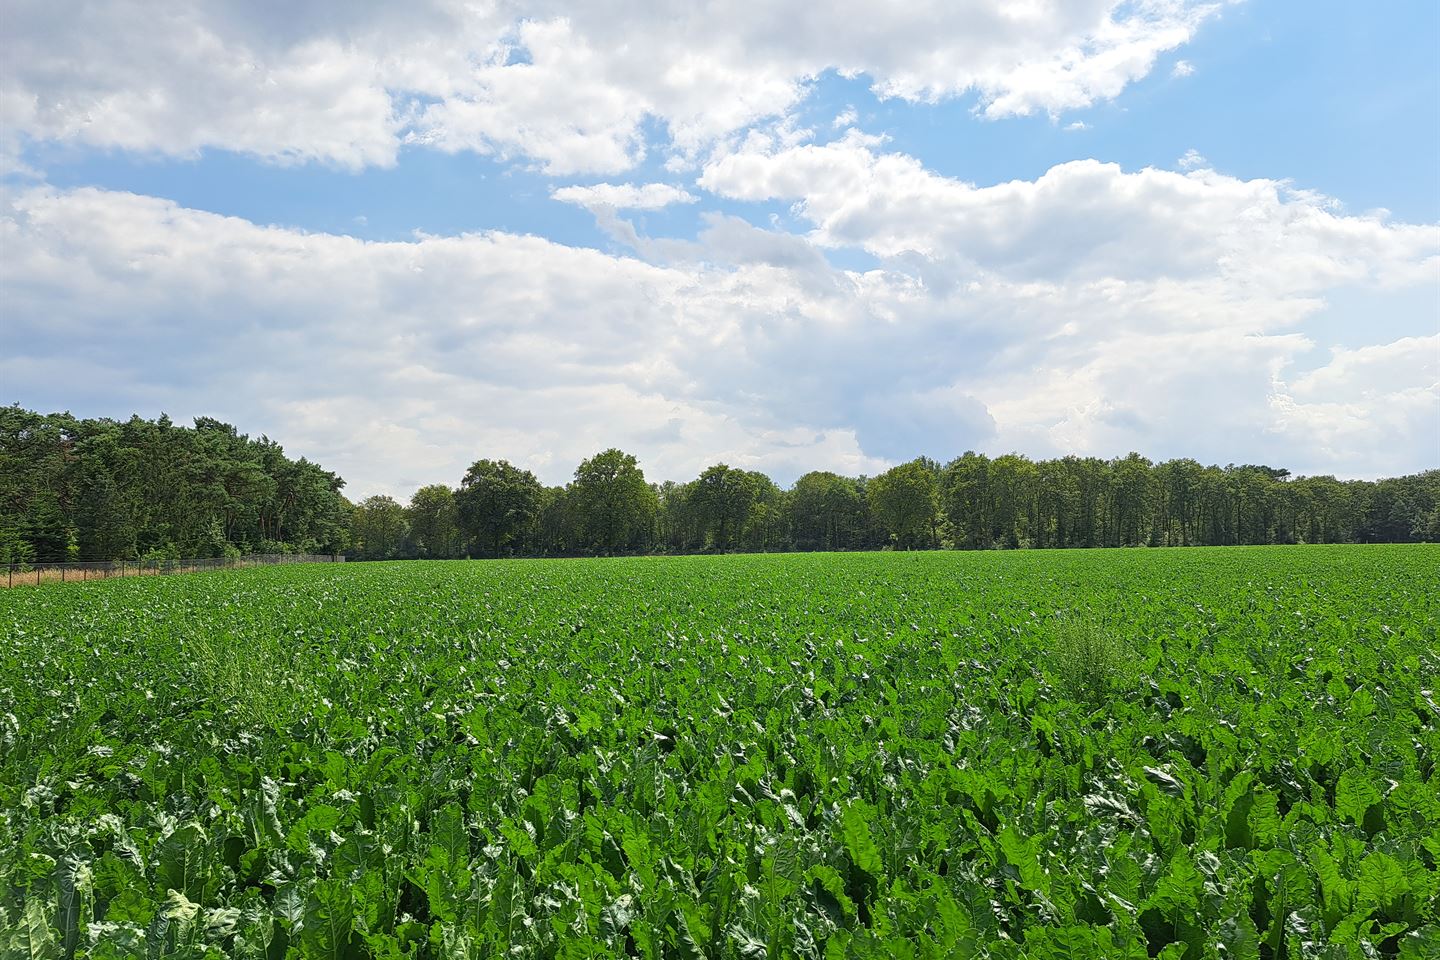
(1216, 753)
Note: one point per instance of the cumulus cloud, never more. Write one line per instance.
(624, 196)
(1182, 68)
(567, 87)
(1081, 221)
(1091, 310)
(1365, 402)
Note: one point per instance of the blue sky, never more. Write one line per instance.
(1016, 246)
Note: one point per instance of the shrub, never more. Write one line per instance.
(163, 557)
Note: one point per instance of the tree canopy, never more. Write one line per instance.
(104, 489)
(76, 489)
(906, 501)
(614, 507)
(498, 502)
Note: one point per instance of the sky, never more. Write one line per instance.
(787, 236)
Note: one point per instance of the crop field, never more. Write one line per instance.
(1217, 753)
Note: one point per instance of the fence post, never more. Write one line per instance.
(62, 573)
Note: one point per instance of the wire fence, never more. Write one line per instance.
(34, 574)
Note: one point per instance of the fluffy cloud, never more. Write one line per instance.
(1092, 310)
(1366, 400)
(1080, 221)
(396, 363)
(624, 196)
(1149, 309)
(567, 86)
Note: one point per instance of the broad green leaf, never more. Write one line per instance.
(855, 829)
(1382, 880)
(32, 938)
(329, 921)
(181, 862)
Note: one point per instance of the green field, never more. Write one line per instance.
(1184, 753)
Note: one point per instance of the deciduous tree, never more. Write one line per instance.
(498, 503)
(614, 506)
(905, 500)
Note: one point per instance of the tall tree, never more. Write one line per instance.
(969, 502)
(678, 525)
(379, 528)
(906, 501)
(613, 504)
(722, 497)
(434, 521)
(1012, 483)
(498, 503)
(557, 530)
(1129, 498)
(764, 529)
(827, 512)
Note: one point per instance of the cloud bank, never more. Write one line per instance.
(1091, 310)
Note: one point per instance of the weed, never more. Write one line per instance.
(1091, 663)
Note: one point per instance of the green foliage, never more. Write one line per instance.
(497, 505)
(77, 489)
(905, 500)
(434, 521)
(842, 756)
(722, 498)
(827, 512)
(615, 508)
(160, 557)
(104, 490)
(14, 547)
(378, 527)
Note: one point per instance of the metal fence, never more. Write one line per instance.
(33, 574)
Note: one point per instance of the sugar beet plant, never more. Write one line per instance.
(1205, 754)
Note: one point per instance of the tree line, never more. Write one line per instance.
(74, 489)
(972, 502)
(77, 489)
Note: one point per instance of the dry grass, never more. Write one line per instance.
(44, 575)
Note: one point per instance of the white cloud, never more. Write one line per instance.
(1182, 68)
(624, 196)
(1192, 160)
(1145, 310)
(566, 86)
(1077, 125)
(1080, 221)
(1366, 402)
